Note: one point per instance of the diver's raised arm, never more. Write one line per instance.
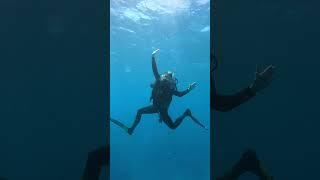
(182, 93)
(154, 65)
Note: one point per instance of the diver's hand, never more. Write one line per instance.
(262, 78)
(155, 52)
(192, 86)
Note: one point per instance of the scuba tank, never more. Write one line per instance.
(159, 87)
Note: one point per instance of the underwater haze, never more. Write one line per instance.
(53, 87)
(181, 30)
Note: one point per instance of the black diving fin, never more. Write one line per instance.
(120, 124)
(198, 122)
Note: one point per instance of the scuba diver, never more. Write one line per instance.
(249, 161)
(162, 91)
(164, 87)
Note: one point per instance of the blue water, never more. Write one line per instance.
(180, 29)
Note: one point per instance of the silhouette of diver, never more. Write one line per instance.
(249, 161)
(163, 90)
(164, 87)
(96, 160)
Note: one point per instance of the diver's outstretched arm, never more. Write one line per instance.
(182, 93)
(228, 102)
(154, 65)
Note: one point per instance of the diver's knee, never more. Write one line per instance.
(139, 112)
(172, 126)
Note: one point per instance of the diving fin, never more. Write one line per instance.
(198, 122)
(120, 124)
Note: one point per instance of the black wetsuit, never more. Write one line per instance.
(161, 99)
(249, 161)
(100, 157)
(161, 96)
(226, 103)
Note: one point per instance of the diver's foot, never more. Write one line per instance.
(187, 112)
(250, 162)
(130, 131)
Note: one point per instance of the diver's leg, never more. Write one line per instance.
(146, 110)
(167, 119)
(96, 160)
(188, 112)
(173, 125)
(249, 162)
